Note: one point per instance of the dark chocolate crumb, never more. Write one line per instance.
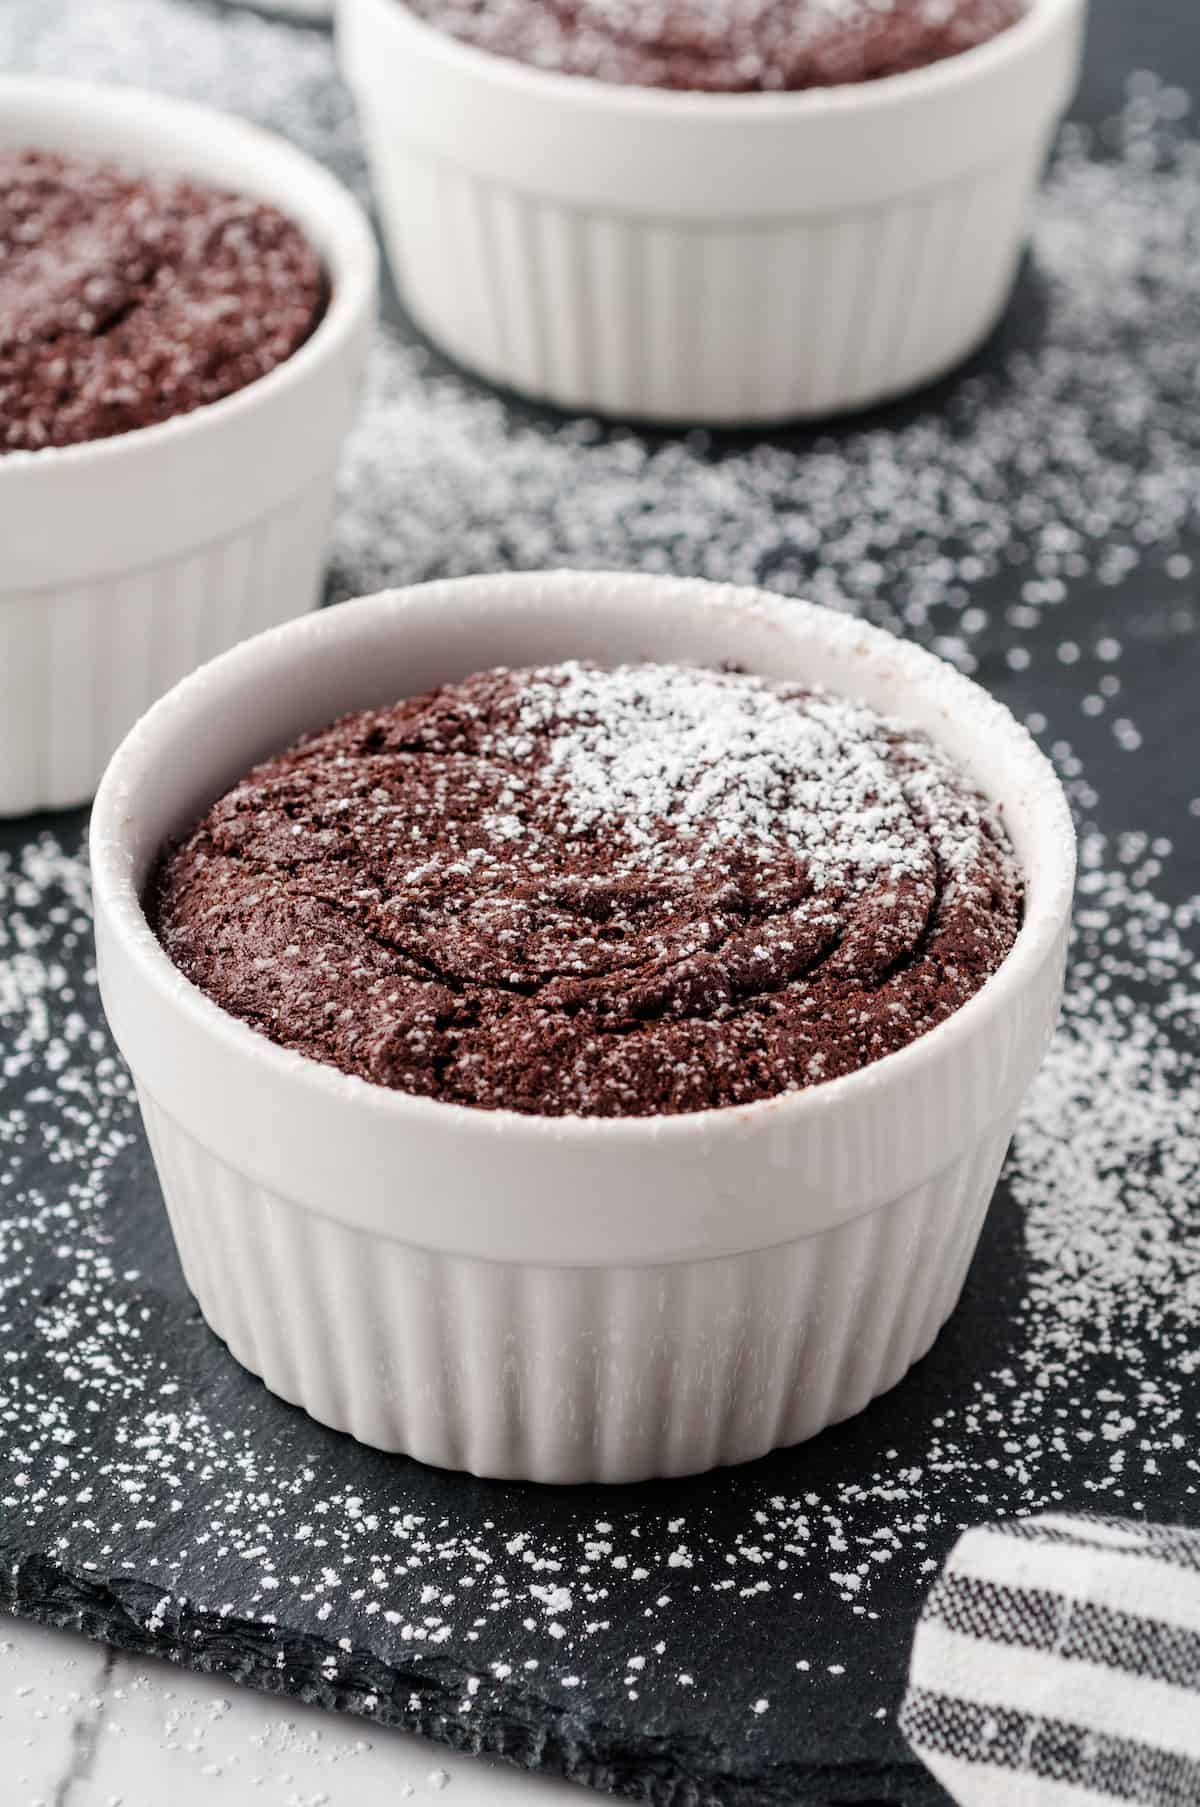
(127, 299)
(729, 46)
(604, 893)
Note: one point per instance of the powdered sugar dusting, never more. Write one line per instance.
(732, 760)
(575, 891)
(125, 300)
(732, 45)
(1086, 1397)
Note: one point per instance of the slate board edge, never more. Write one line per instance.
(130, 1615)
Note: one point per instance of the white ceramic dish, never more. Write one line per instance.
(700, 257)
(127, 561)
(566, 1299)
(297, 9)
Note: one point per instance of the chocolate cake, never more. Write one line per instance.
(724, 46)
(126, 299)
(605, 893)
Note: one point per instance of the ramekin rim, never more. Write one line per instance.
(351, 268)
(115, 895)
(874, 95)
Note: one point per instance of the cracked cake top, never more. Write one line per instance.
(573, 890)
(128, 298)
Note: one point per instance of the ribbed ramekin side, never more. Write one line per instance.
(80, 663)
(570, 1374)
(718, 321)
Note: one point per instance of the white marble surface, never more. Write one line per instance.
(82, 1726)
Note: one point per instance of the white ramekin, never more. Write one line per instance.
(294, 9)
(126, 562)
(701, 257)
(566, 1299)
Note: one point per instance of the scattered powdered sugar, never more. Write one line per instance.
(1092, 427)
(910, 523)
(1087, 1396)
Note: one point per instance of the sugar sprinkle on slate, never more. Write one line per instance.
(1104, 1167)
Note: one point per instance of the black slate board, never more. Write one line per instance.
(155, 1496)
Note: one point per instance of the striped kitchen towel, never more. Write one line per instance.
(1057, 1664)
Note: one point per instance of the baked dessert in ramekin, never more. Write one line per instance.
(684, 256)
(129, 298)
(585, 891)
(133, 555)
(565, 1297)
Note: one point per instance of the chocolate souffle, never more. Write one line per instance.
(724, 46)
(126, 299)
(610, 893)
